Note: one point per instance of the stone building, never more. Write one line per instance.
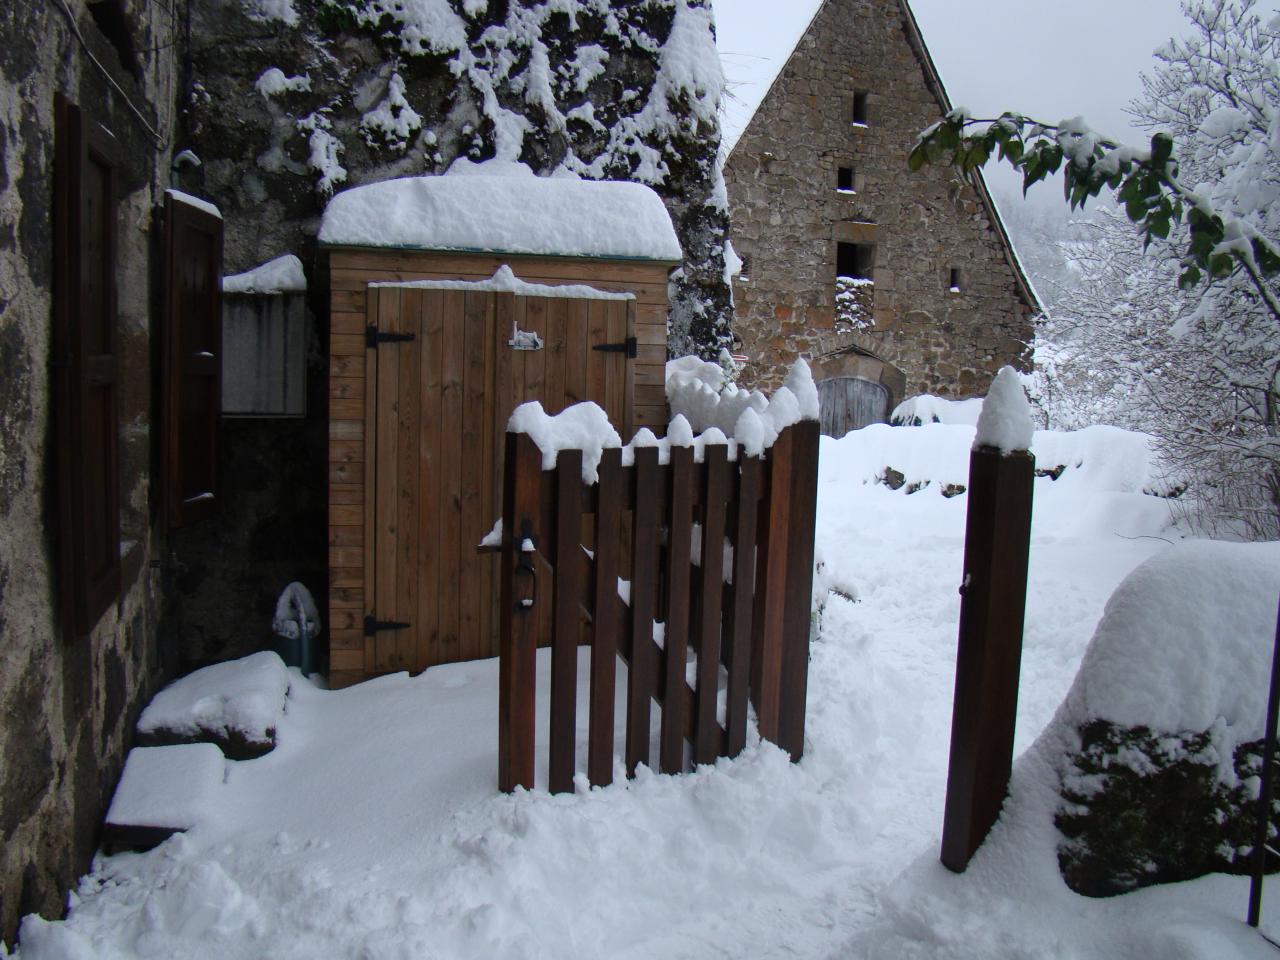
(931, 298)
(88, 95)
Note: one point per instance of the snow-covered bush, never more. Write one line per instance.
(1165, 719)
(854, 297)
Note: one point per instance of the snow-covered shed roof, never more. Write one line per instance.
(502, 207)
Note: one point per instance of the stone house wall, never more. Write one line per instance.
(788, 217)
(67, 707)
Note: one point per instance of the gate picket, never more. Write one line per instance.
(646, 523)
(605, 619)
(565, 618)
(677, 577)
(706, 743)
(738, 613)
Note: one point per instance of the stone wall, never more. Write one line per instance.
(788, 217)
(67, 708)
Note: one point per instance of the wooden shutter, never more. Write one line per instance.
(192, 366)
(85, 372)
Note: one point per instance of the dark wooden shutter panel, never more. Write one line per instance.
(192, 377)
(85, 371)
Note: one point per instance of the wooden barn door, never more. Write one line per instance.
(444, 377)
(850, 403)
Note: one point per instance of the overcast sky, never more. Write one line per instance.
(1046, 58)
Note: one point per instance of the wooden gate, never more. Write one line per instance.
(741, 599)
(444, 367)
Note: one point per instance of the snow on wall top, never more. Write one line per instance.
(504, 280)
(1185, 643)
(281, 275)
(242, 697)
(176, 786)
(925, 408)
(501, 206)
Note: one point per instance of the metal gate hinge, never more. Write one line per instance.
(372, 625)
(627, 346)
(373, 336)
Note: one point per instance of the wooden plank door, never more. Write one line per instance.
(438, 408)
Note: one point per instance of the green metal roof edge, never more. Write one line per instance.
(499, 253)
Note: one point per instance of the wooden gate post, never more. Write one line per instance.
(784, 587)
(802, 510)
(518, 626)
(993, 601)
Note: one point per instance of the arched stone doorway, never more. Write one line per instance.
(855, 388)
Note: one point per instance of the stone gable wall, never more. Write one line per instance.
(787, 217)
(67, 708)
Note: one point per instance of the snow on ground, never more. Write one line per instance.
(375, 830)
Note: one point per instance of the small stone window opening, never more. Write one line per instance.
(744, 272)
(844, 180)
(111, 20)
(954, 285)
(856, 261)
(860, 108)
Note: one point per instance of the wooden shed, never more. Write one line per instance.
(436, 334)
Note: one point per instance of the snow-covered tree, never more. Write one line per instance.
(336, 93)
(1175, 332)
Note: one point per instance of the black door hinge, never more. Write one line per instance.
(373, 337)
(372, 625)
(627, 346)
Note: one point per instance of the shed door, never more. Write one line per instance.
(849, 403)
(439, 406)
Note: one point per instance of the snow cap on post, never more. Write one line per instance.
(749, 432)
(800, 382)
(1005, 421)
(583, 426)
(679, 432)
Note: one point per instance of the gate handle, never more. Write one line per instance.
(527, 546)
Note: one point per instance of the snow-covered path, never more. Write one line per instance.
(375, 830)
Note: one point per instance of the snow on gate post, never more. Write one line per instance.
(993, 601)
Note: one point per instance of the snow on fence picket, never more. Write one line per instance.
(713, 538)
